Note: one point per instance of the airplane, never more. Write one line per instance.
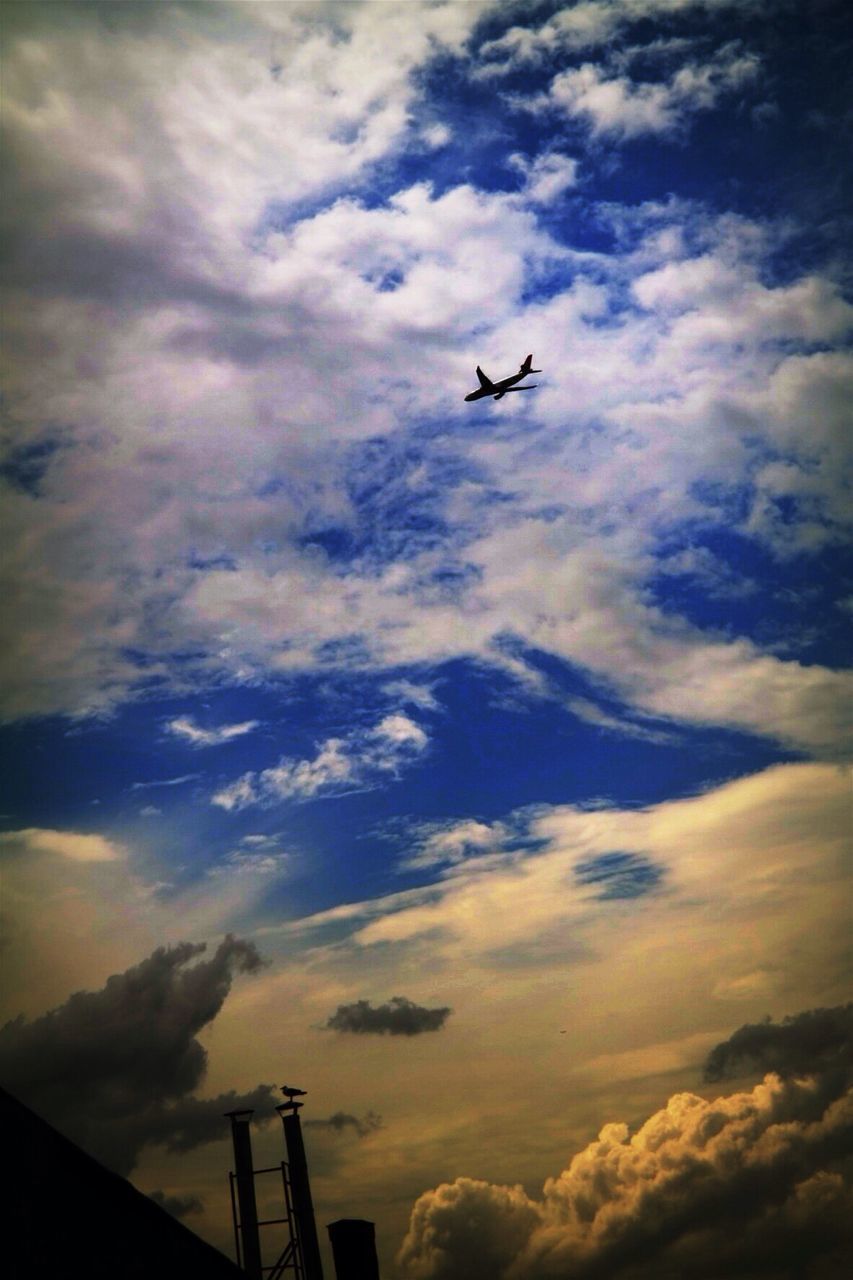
(499, 389)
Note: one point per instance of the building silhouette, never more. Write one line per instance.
(66, 1214)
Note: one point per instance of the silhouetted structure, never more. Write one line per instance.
(244, 1210)
(67, 1215)
(354, 1249)
(247, 1234)
(301, 1253)
(300, 1187)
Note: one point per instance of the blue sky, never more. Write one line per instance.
(484, 705)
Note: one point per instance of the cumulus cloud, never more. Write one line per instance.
(185, 727)
(749, 1184)
(116, 1069)
(620, 107)
(400, 1017)
(547, 176)
(364, 758)
(466, 1228)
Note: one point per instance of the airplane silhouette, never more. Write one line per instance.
(499, 389)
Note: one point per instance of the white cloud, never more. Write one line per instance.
(236, 795)
(591, 713)
(620, 107)
(165, 782)
(417, 695)
(259, 841)
(252, 351)
(718, 580)
(583, 26)
(341, 97)
(742, 847)
(455, 841)
(363, 758)
(547, 176)
(74, 845)
(614, 105)
(185, 727)
(436, 135)
(253, 863)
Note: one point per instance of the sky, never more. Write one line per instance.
(480, 768)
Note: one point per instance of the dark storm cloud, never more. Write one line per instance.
(115, 1069)
(818, 1042)
(177, 1206)
(190, 1122)
(400, 1017)
(340, 1121)
(754, 1184)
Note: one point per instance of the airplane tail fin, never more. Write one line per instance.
(527, 367)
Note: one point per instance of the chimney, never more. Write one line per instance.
(300, 1187)
(354, 1249)
(248, 1236)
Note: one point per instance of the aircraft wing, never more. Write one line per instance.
(484, 381)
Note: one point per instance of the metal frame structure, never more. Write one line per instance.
(302, 1252)
(291, 1256)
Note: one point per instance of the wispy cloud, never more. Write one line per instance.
(185, 727)
(408, 692)
(342, 1121)
(574, 865)
(450, 843)
(583, 27)
(362, 758)
(165, 782)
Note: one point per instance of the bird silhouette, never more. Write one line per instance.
(292, 1093)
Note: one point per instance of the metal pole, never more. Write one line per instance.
(251, 1240)
(303, 1207)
